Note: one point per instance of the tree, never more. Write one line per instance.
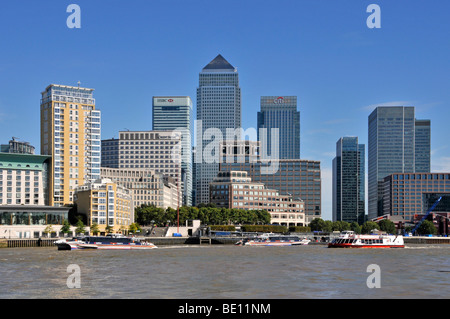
(108, 229)
(317, 224)
(355, 227)
(48, 230)
(427, 228)
(368, 226)
(133, 228)
(94, 229)
(388, 226)
(65, 229)
(80, 227)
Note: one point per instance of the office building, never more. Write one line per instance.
(110, 153)
(407, 195)
(349, 181)
(218, 119)
(104, 203)
(175, 113)
(393, 149)
(146, 186)
(70, 133)
(235, 189)
(422, 140)
(297, 178)
(156, 151)
(280, 112)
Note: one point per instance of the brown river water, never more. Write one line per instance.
(226, 272)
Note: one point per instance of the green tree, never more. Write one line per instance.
(368, 226)
(388, 226)
(48, 230)
(317, 224)
(108, 229)
(94, 229)
(427, 228)
(80, 227)
(65, 229)
(133, 228)
(355, 227)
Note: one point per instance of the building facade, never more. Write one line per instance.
(408, 195)
(392, 149)
(349, 181)
(24, 179)
(235, 189)
(280, 112)
(105, 203)
(156, 151)
(218, 113)
(16, 146)
(146, 186)
(70, 133)
(110, 153)
(299, 179)
(171, 113)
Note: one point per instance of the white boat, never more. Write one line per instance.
(348, 239)
(103, 242)
(270, 239)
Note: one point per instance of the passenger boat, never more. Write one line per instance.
(111, 241)
(274, 240)
(348, 239)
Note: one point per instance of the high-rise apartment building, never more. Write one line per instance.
(70, 133)
(349, 181)
(397, 144)
(280, 112)
(171, 113)
(218, 119)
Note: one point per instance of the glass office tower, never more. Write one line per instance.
(280, 112)
(218, 111)
(349, 181)
(393, 149)
(175, 113)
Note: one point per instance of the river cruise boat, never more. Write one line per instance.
(111, 241)
(348, 239)
(274, 240)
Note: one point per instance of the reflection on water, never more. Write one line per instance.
(227, 272)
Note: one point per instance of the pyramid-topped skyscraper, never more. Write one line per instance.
(219, 108)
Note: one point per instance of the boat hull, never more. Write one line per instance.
(364, 246)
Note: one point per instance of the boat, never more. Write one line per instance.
(270, 239)
(348, 239)
(110, 241)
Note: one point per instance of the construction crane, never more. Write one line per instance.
(426, 215)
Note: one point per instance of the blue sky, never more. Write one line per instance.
(320, 50)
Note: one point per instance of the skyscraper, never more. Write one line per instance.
(70, 132)
(393, 132)
(175, 113)
(349, 181)
(218, 113)
(280, 112)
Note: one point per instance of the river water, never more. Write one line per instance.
(227, 272)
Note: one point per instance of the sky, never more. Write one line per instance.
(322, 51)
